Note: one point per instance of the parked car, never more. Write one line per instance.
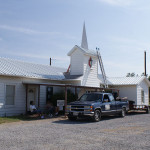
(95, 105)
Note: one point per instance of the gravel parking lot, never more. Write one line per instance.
(112, 133)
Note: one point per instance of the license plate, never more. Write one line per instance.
(75, 113)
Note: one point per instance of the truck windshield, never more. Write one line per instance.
(91, 97)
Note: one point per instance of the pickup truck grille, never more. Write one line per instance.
(77, 108)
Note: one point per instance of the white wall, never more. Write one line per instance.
(90, 74)
(76, 61)
(20, 97)
(143, 86)
(80, 66)
(129, 91)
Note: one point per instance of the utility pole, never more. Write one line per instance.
(50, 61)
(144, 63)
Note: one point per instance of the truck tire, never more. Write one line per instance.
(72, 118)
(97, 116)
(123, 112)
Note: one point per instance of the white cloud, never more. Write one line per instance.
(33, 32)
(130, 43)
(25, 30)
(31, 55)
(122, 68)
(118, 2)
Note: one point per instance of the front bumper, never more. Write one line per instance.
(80, 114)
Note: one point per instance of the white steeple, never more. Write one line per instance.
(84, 43)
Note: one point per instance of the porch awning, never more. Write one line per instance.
(67, 85)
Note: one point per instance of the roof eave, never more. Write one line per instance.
(19, 76)
(147, 81)
(122, 84)
(71, 51)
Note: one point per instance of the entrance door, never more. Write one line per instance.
(31, 96)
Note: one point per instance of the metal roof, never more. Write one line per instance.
(24, 69)
(126, 80)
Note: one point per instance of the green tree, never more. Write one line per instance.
(143, 74)
(130, 74)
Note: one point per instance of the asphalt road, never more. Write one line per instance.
(112, 133)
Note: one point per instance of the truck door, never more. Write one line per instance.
(113, 103)
(109, 104)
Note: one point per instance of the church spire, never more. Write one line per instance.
(84, 43)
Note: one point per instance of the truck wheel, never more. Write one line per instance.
(97, 116)
(72, 118)
(123, 112)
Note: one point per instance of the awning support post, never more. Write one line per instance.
(76, 95)
(65, 101)
(26, 98)
(39, 96)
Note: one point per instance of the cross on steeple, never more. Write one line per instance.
(84, 43)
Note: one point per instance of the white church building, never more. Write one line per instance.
(21, 82)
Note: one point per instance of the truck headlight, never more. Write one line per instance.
(88, 108)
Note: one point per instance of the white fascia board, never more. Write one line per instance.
(72, 50)
(147, 81)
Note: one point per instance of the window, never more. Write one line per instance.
(111, 98)
(142, 96)
(10, 94)
(91, 97)
(106, 99)
(49, 93)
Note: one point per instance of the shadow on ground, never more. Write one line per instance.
(89, 120)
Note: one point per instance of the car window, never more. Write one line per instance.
(111, 98)
(106, 98)
(91, 97)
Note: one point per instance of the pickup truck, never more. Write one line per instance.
(95, 105)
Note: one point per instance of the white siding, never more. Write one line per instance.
(76, 63)
(90, 74)
(142, 86)
(20, 97)
(42, 97)
(128, 91)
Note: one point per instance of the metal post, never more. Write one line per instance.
(26, 98)
(76, 95)
(50, 61)
(65, 101)
(144, 63)
(39, 96)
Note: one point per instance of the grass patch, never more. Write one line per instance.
(8, 119)
(17, 118)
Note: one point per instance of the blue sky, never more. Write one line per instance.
(35, 30)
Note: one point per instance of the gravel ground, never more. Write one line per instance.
(112, 133)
